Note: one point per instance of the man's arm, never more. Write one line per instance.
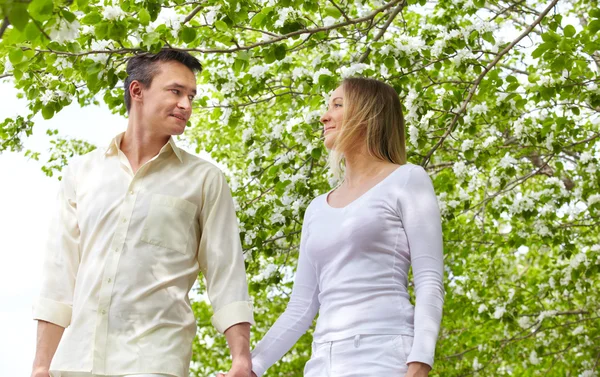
(54, 307)
(48, 337)
(238, 339)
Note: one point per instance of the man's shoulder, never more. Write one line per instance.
(198, 163)
(84, 160)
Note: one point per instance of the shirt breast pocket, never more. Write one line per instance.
(169, 222)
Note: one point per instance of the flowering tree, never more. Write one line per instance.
(502, 108)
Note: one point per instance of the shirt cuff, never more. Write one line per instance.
(53, 312)
(423, 349)
(232, 314)
(257, 368)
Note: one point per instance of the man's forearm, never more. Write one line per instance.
(238, 339)
(48, 337)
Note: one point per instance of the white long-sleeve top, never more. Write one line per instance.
(353, 268)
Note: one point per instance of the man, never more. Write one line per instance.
(135, 224)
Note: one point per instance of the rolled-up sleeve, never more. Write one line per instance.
(61, 263)
(220, 255)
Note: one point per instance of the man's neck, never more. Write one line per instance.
(140, 145)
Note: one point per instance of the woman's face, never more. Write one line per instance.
(332, 119)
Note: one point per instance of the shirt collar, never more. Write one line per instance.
(113, 147)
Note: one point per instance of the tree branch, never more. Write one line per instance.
(488, 68)
(3, 27)
(382, 31)
(192, 14)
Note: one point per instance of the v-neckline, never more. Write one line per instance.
(358, 198)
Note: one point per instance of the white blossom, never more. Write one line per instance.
(47, 97)
(578, 330)
(258, 71)
(65, 31)
(507, 161)
(113, 13)
(595, 198)
(321, 72)
(247, 134)
(283, 15)
(480, 108)
(466, 145)
(413, 133)
(353, 69)
(499, 312)
(533, 358)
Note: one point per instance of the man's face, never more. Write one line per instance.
(167, 103)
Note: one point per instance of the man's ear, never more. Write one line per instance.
(135, 91)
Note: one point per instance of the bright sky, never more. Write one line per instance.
(26, 203)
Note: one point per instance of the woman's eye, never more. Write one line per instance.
(191, 98)
(337, 105)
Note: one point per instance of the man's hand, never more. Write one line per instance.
(48, 337)
(417, 369)
(239, 369)
(238, 339)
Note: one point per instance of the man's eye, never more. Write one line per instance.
(191, 98)
(175, 91)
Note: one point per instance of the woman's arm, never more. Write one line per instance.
(297, 318)
(422, 223)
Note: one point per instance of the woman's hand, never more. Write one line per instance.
(417, 369)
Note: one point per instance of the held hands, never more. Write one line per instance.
(239, 369)
(417, 369)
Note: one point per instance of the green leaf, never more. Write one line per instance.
(333, 12)
(188, 34)
(15, 55)
(569, 31)
(70, 17)
(32, 32)
(279, 52)
(144, 17)
(101, 30)
(18, 16)
(82, 4)
(221, 25)
(257, 20)
(594, 26)
(542, 49)
(269, 56)
(489, 37)
(41, 10)
(48, 111)
(91, 18)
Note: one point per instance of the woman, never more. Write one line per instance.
(358, 242)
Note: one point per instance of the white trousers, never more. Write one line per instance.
(361, 356)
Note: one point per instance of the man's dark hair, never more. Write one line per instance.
(144, 67)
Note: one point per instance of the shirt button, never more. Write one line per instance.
(124, 220)
(109, 280)
(131, 192)
(103, 312)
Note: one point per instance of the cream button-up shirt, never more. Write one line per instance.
(124, 251)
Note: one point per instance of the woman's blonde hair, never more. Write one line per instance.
(373, 114)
